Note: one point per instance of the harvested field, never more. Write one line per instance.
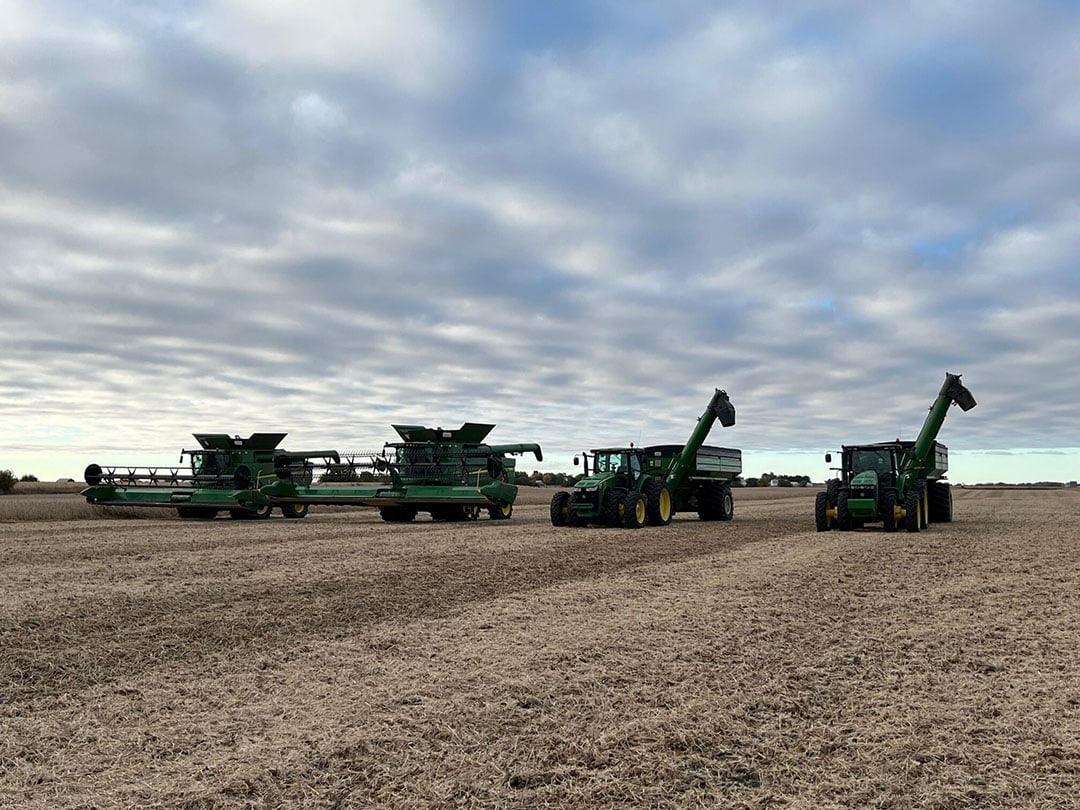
(342, 662)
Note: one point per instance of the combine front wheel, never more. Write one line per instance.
(503, 512)
(295, 510)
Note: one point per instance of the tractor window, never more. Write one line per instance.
(606, 463)
(877, 460)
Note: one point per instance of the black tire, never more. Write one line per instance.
(727, 502)
(913, 507)
(295, 511)
(940, 496)
(711, 501)
(262, 512)
(888, 510)
(470, 513)
(832, 490)
(242, 477)
(196, 513)
(821, 512)
(496, 512)
(614, 508)
(843, 516)
(659, 504)
(560, 506)
(634, 512)
(397, 514)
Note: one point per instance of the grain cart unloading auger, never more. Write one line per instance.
(224, 474)
(894, 483)
(451, 474)
(632, 486)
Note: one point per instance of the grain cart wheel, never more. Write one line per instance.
(658, 504)
(295, 510)
(614, 508)
(843, 516)
(821, 512)
(710, 501)
(560, 508)
(913, 507)
(940, 498)
(503, 512)
(888, 510)
(634, 510)
(727, 503)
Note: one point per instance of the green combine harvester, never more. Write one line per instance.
(632, 486)
(221, 477)
(897, 484)
(451, 474)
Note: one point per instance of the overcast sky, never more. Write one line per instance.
(572, 219)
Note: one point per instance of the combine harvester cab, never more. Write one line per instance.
(633, 486)
(451, 474)
(224, 474)
(899, 484)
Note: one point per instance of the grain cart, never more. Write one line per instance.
(221, 476)
(452, 474)
(632, 486)
(895, 483)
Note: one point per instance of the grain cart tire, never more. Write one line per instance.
(727, 502)
(843, 516)
(913, 507)
(397, 514)
(560, 506)
(634, 511)
(295, 511)
(658, 502)
(503, 512)
(888, 510)
(710, 501)
(821, 512)
(940, 495)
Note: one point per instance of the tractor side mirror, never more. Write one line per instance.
(828, 458)
(577, 461)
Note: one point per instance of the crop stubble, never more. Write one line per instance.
(342, 662)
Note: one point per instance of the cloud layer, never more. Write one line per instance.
(572, 220)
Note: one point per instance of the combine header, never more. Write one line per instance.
(450, 474)
(894, 483)
(224, 474)
(632, 486)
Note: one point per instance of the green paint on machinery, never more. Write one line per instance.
(633, 486)
(897, 484)
(451, 474)
(223, 474)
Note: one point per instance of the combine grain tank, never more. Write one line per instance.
(223, 475)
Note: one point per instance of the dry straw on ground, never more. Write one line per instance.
(342, 662)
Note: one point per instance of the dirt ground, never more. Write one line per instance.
(341, 662)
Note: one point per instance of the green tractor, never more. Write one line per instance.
(633, 486)
(221, 476)
(898, 484)
(451, 474)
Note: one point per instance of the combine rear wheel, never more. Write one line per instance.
(295, 511)
(658, 503)
(614, 508)
(503, 512)
(560, 507)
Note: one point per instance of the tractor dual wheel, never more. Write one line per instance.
(822, 521)
(614, 508)
(843, 515)
(634, 512)
(560, 508)
(659, 507)
(913, 506)
(888, 510)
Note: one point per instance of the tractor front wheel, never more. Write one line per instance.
(560, 507)
(821, 512)
(888, 510)
(843, 516)
(634, 510)
(502, 512)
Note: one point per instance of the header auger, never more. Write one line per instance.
(632, 486)
(898, 483)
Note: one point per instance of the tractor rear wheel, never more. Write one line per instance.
(888, 510)
(634, 510)
(913, 507)
(821, 512)
(832, 489)
(560, 506)
(658, 503)
(295, 511)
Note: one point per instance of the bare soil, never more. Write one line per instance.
(339, 661)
